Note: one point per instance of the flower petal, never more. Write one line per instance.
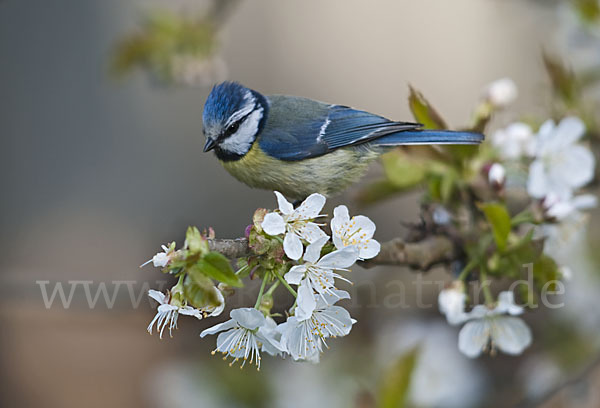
(310, 208)
(510, 334)
(273, 224)
(560, 209)
(335, 321)
(190, 311)
(306, 301)
(160, 260)
(248, 317)
(544, 136)
(165, 307)
(292, 246)
(311, 232)
(369, 249)
(294, 338)
(506, 304)
(478, 312)
(575, 166)
(269, 343)
(363, 226)
(340, 217)
(451, 302)
(229, 324)
(585, 201)
(340, 259)
(219, 309)
(341, 213)
(284, 205)
(569, 131)
(228, 343)
(473, 337)
(156, 295)
(295, 274)
(537, 183)
(338, 242)
(334, 295)
(313, 251)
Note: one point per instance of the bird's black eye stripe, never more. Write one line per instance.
(231, 129)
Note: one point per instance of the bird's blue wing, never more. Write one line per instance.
(299, 128)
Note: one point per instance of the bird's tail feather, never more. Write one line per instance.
(416, 137)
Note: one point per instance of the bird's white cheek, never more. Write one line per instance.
(241, 141)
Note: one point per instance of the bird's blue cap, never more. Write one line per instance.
(225, 99)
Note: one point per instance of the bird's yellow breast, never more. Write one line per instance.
(327, 174)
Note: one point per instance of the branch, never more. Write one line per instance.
(421, 255)
(230, 248)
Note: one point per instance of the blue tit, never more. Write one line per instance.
(300, 146)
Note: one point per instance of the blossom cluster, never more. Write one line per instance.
(315, 262)
(550, 166)
(559, 167)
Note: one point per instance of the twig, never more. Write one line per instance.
(420, 255)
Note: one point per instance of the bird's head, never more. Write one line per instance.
(233, 117)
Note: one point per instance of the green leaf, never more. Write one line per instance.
(216, 266)
(395, 383)
(499, 219)
(423, 112)
(199, 290)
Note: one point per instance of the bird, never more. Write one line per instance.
(299, 146)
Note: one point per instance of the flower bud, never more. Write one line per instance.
(501, 93)
(266, 304)
(497, 175)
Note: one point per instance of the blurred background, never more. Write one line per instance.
(101, 163)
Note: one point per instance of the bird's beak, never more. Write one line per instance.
(210, 144)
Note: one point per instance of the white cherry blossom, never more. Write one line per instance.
(514, 141)
(297, 224)
(169, 310)
(561, 164)
(317, 274)
(357, 230)
(244, 336)
(162, 259)
(490, 329)
(304, 337)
